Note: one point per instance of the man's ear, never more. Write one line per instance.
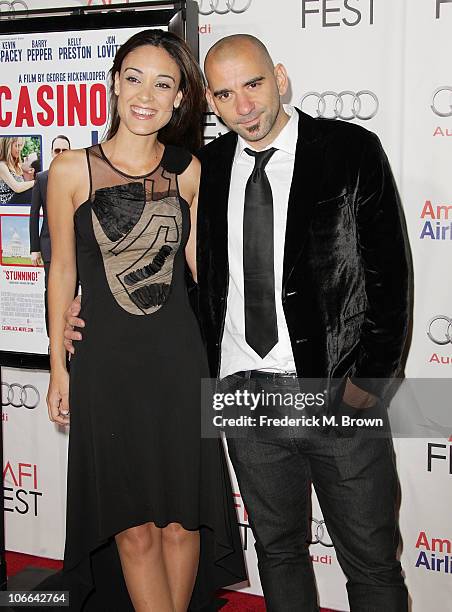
(211, 102)
(282, 80)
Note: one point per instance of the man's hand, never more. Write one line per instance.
(358, 398)
(70, 316)
(36, 258)
(28, 171)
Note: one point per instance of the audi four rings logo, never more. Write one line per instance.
(18, 396)
(320, 533)
(11, 7)
(222, 7)
(345, 105)
(442, 101)
(439, 330)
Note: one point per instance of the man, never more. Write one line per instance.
(40, 242)
(303, 270)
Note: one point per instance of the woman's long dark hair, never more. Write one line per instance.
(184, 127)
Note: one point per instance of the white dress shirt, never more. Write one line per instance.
(236, 354)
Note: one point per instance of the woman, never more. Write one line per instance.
(145, 494)
(14, 189)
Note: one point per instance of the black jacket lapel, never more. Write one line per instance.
(217, 161)
(304, 191)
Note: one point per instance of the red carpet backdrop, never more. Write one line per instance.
(382, 64)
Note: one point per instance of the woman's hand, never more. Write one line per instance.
(58, 397)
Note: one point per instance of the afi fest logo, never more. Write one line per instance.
(346, 105)
(439, 7)
(11, 7)
(336, 13)
(439, 457)
(21, 487)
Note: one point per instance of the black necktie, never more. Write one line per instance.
(261, 330)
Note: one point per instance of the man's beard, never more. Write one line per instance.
(260, 129)
(253, 129)
(253, 132)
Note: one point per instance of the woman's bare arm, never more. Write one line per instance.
(17, 186)
(63, 176)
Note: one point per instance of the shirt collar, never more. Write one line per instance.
(285, 141)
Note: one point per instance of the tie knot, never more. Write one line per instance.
(261, 158)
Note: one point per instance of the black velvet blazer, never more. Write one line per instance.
(346, 258)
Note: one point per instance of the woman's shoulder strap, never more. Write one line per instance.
(176, 159)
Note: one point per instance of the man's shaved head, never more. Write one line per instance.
(230, 46)
(245, 88)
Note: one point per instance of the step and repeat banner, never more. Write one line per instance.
(382, 64)
(34, 466)
(53, 95)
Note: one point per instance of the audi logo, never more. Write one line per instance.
(18, 396)
(320, 533)
(442, 101)
(439, 330)
(346, 105)
(11, 7)
(222, 7)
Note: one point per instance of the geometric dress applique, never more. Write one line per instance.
(138, 233)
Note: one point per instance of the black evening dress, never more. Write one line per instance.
(135, 449)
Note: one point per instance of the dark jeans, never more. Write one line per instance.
(356, 484)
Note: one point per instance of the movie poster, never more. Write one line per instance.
(53, 96)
